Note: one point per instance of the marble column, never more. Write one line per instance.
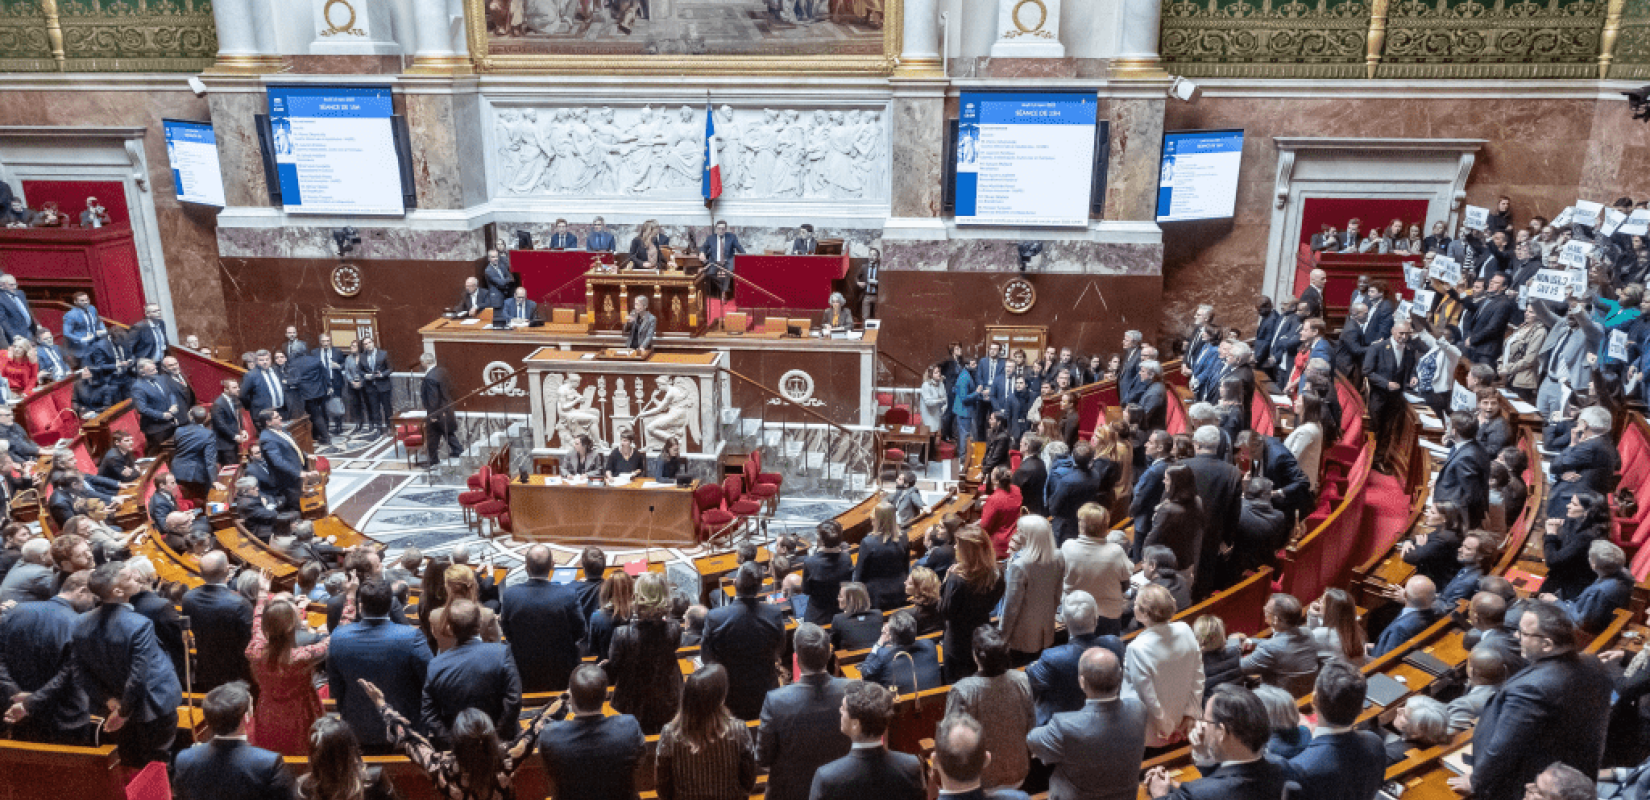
(435, 52)
(920, 49)
(238, 49)
(1135, 115)
(1137, 41)
(917, 116)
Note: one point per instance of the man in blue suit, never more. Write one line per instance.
(261, 388)
(157, 406)
(718, 254)
(519, 308)
(543, 623)
(228, 768)
(920, 669)
(1340, 763)
(745, 637)
(1270, 459)
(287, 466)
(1096, 750)
(1465, 477)
(222, 621)
(1053, 676)
(591, 755)
(15, 317)
(195, 456)
(599, 239)
(497, 274)
(35, 641)
(1613, 588)
(473, 674)
(226, 423)
(1420, 595)
(309, 380)
(332, 367)
(870, 769)
(82, 326)
(395, 658)
(561, 239)
(148, 338)
(119, 664)
(53, 365)
(800, 731)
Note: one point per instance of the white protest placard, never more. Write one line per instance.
(1423, 300)
(1618, 345)
(1578, 281)
(1548, 284)
(1637, 224)
(1445, 269)
(1405, 309)
(1574, 255)
(1524, 296)
(1462, 399)
(1587, 212)
(1612, 221)
(1414, 276)
(1478, 218)
(1564, 217)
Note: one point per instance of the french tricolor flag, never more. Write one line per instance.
(711, 185)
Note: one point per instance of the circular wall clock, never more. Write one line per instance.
(346, 280)
(1019, 296)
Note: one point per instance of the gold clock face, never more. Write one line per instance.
(346, 280)
(1019, 296)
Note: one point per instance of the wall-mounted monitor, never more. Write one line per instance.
(192, 152)
(1198, 176)
(335, 150)
(1025, 158)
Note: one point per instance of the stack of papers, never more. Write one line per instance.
(469, 322)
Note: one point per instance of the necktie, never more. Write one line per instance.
(1558, 350)
(326, 363)
(155, 385)
(718, 248)
(274, 387)
(160, 338)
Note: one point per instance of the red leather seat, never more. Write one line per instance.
(763, 492)
(898, 415)
(411, 437)
(735, 496)
(770, 478)
(481, 483)
(498, 505)
(713, 518)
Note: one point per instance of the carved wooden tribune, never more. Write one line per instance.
(673, 298)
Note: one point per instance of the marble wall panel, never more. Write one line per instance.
(436, 163)
(376, 243)
(1136, 133)
(754, 238)
(235, 126)
(1064, 256)
(919, 138)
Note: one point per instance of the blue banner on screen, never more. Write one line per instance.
(1025, 158)
(192, 152)
(1199, 174)
(335, 149)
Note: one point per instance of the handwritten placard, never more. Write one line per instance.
(1612, 221)
(1424, 299)
(1405, 308)
(1414, 276)
(1574, 255)
(1461, 398)
(1445, 269)
(1548, 284)
(1564, 217)
(1524, 296)
(1478, 218)
(1587, 212)
(1637, 224)
(1578, 281)
(1618, 345)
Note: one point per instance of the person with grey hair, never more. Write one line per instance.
(1129, 364)
(1589, 464)
(1353, 342)
(1421, 722)
(435, 391)
(32, 579)
(837, 318)
(256, 511)
(1152, 396)
(1219, 484)
(1202, 415)
(1053, 676)
(798, 734)
(262, 388)
(1289, 736)
(1612, 589)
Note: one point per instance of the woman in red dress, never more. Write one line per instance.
(1001, 512)
(287, 703)
(18, 365)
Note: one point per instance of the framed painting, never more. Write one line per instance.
(746, 37)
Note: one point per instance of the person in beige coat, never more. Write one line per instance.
(1521, 356)
(1035, 572)
(1098, 566)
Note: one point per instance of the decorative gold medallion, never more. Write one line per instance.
(348, 27)
(1042, 15)
(1019, 296)
(346, 280)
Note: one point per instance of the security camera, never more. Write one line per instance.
(197, 86)
(346, 239)
(1185, 90)
(1638, 102)
(1028, 251)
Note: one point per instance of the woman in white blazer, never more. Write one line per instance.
(1163, 666)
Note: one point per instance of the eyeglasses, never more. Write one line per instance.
(1519, 632)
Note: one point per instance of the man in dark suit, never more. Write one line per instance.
(870, 769)
(395, 658)
(718, 255)
(800, 722)
(441, 422)
(255, 511)
(920, 667)
(1353, 343)
(1275, 354)
(561, 239)
(35, 640)
(161, 613)
(1096, 749)
(593, 563)
(19, 444)
(227, 767)
(1563, 692)
(222, 621)
(960, 758)
(147, 338)
(1389, 364)
(1465, 476)
(172, 377)
(805, 243)
(824, 572)
(164, 503)
(195, 456)
(157, 406)
(119, 665)
(15, 317)
(1589, 464)
(1129, 368)
(591, 756)
(262, 389)
(599, 239)
(497, 274)
(1420, 598)
(1053, 676)
(473, 674)
(1269, 458)
(332, 368)
(1233, 733)
(287, 466)
(1341, 762)
(1152, 396)
(291, 344)
(363, 565)
(641, 326)
(518, 309)
(543, 623)
(375, 381)
(1071, 491)
(1265, 327)
(1220, 485)
(1148, 488)
(1032, 475)
(119, 464)
(83, 326)
(1312, 295)
(309, 383)
(1485, 319)
(227, 425)
(474, 299)
(746, 638)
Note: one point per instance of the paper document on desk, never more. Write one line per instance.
(658, 485)
(1431, 424)
(1139, 579)
(1457, 761)
(470, 322)
(907, 429)
(1436, 448)
(418, 414)
(1282, 398)
(1522, 407)
(1413, 399)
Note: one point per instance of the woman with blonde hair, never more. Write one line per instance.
(647, 683)
(20, 366)
(884, 559)
(1110, 445)
(1164, 664)
(704, 753)
(922, 590)
(971, 590)
(644, 249)
(1035, 575)
(285, 674)
(859, 625)
(1222, 660)
(615, 599)
(461, 584)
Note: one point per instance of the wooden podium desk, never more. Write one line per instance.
(673, 297)
(615, 516)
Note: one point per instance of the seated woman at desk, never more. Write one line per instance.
(625, 459)
(837, 317)
(583, 460)
(644, 249)
(671, 463)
